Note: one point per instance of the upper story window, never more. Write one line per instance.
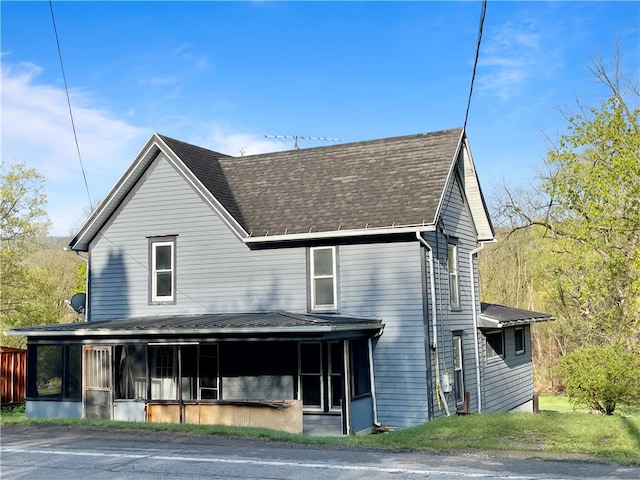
(323, 278)
(162, 270)
(452, 266)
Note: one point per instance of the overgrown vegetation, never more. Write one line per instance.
(571, 245)
(601, 377)
(36, 275)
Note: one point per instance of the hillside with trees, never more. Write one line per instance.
(570, 246)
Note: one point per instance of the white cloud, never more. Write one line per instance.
(220, 139)
(37, 130)
(513, 55)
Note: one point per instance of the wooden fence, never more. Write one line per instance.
(13, 374)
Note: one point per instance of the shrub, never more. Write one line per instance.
(601, 377)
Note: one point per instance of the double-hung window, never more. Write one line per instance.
(162, 270)
(323, 278)
(458, 369)
(452, 266)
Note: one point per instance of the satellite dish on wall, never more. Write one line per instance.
(78, 302)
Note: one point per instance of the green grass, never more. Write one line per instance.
(558, 429)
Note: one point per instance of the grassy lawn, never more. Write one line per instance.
(557, 428)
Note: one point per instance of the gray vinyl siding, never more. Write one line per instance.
(456, 223)
(508, 381)
(215, 271)
(385, 281)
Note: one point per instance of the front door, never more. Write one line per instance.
(97, 382)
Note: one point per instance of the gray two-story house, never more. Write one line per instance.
(329, 289)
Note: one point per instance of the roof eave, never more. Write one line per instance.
(201, 331)
(495, 324)
(360, 232)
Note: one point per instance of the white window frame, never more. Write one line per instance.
(491, 353)
(454, 279)
(154, 298)
(313, 277)
(458, 368)
(524, 342)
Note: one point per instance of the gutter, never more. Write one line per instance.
(474, 311)
(434, 320)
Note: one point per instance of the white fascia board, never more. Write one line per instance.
(203, 331)
(452, 167)
(117, 193)
(341, 233)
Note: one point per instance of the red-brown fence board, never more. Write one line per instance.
(13, 374)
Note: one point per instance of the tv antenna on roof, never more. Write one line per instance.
(302, 137)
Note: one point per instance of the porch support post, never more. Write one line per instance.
(346, 406)
(372, 380)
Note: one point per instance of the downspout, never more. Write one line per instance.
(475, 323)
(434, 323)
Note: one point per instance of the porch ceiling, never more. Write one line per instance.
(223, 324)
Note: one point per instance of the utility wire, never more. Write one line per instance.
(475, 63)
(66, 89)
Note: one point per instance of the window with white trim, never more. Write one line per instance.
(452, 267)
(162, 270)
(519, 340)
(457, 369)
(323, 278)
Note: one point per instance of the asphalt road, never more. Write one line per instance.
(51, 452)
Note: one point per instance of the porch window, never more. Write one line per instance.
(162, 270)
(58, 372)
(458, 369)
(323, 278)
(335, 368)
(310, 369)
(194, 368)
(130, 372)
(452, 266)
(495, 344)
(519, 340)
(360, 378)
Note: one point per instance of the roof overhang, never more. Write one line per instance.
(267, 324)
(494, 317)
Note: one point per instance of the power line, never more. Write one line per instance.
(66, 89)
(475, 63)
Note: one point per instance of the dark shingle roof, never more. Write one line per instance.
(209, 324)
(379, 183)
(499, 316)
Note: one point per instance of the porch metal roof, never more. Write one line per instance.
(273, 323)
(499, 316)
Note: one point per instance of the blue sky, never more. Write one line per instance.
(225, 74)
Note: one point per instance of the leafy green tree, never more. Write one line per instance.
(602, 377)
(588, 203)
(23, 223)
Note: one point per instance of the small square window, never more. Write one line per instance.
(519, 340)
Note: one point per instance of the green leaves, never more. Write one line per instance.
(601, 377)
